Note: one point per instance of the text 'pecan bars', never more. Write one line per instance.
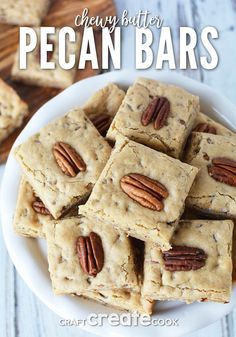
(197, 268)
(61, 163)
(142, 192)
(12, 110)
(214, 189)
(155, 114)
(90, 259)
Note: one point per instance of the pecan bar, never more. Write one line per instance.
(77, 246)
(234, 252)
(142, 192)
(24, 12)
(205, 124)
(30, 213)
(155, 114)
(12, 110)
(56, 78)
(103, 105)
(52, 159)
(197, 268)
(214, 190)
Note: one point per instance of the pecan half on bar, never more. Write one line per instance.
(39, 207)
(223, 170)
(184, 258)
(157, 112)
(101, 123)
(91, 254)
(68, 159)
(147, 192)
(206, 128)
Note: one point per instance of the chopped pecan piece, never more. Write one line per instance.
(91, 254)
(68, 159)
(181, 258)
(147, 192)
(206, 128)
(223, 170)
(102, 123)
(39, 207)
(157, 111)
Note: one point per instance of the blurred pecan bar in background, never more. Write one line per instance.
(12, 110)
(56, 78)
(23, 12)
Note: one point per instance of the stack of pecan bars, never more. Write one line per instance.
(122, 225)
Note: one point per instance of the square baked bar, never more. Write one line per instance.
(61, 162)
(214, 189)
(56, 78)
(205, 124)
(103, 105)
(90, 259)
(23, 12)
(198, 268)
(155, 114)
(142, 192)
(12, 110)
(30, 213)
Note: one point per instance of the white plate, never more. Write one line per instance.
(29, 255)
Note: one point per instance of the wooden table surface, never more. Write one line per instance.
(22, 314)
